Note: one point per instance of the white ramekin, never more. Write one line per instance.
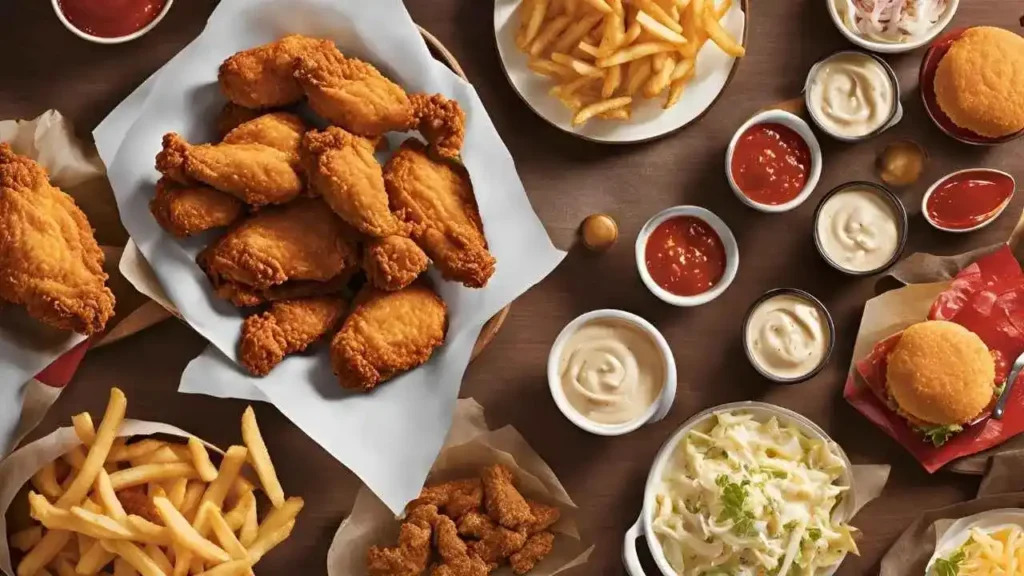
(658, 410)
(761, 411)
(991, 219)
(732, 255)
(888, 47)
(895, 113)
(794, 123)
(118, 39)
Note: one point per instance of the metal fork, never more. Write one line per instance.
(1015, 371)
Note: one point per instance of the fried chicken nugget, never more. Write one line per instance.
(289, 326)
(455, 498)
(411, 556)
(456, 559)
(280, 130)
(494, 543)
(441, 121)
(255, 173)
(353, 94)
(504, 504)
(263, 76)
(544, 517)
(344, 171)
(187, 210)
(537, 547)
(387, 333)
(393, 262)
(436, 200)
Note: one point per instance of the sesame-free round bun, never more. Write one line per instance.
(941, 374)
(979, 83)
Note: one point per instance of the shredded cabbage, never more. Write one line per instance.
(892, 21)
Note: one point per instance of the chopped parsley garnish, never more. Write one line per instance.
(949, 566)
(734, 497)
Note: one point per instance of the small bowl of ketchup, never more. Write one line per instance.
(967, 200)
(774, 162)
(687, 256)
(111, 21)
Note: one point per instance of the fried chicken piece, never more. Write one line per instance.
(255, 173)
(393, 262)
(289, 326)
(303, 240)
(456, 559)
(136, 502)
(387, 333)
(342, 169)
(411, 556)
(544, 517)
(504, 504)
(232, 116)
(263, 76)
(246, 296)
(436, 200)
(280, 130)
(50, 262)
(494, 543)
(537, 547)
(455, 498)
(187, 210)
(441, 121)
(353, 94)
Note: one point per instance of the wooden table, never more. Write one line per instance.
(567, 179)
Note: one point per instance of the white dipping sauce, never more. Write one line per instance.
(787, 336)
(857, 229)
(851, 95)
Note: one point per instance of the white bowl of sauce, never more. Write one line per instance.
(687, 256)
(610, 372)
(860, 228)
(853, 96)
(910, 31)
(773, 162)
(967, 200)
(111, 22)
(788, 335)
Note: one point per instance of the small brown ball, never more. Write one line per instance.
(599, 232)
(901, 163)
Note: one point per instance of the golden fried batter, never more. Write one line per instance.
(411, 556)
(456, 559)
(544, 517)
(289, 326)
(493, 543)
(232, 116)
(455, 498)
(246, 296)
(441, 121)
(263, 77)
(393, 262)
(536, 548)
(280, 130)
(504, 504)
(187, 210)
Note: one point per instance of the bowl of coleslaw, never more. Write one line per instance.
(745, 489)
(891, 26)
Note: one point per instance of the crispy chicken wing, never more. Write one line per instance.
(455, 498)
(280, 130)
(393, 262)
(232, 116)
(441, 121)
(303, 240)
(49, 260)
(387, 333)
(436, 200)
(456, 559)
(187, 210)
(263, 76)
(411, 556)
(353, 94)
(504, 504)
(288, 327)
(342, 169)
(537, 547)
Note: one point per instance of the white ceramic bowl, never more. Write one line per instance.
(762, 412)
(995, 215)
(795, 123)
(656, 412)
(891, 48)
(732, 255)
(957, 534)
(118, 39)
(895, 114)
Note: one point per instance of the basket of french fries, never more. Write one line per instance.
(130, 497)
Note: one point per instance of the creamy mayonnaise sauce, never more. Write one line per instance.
(787, 336)
(612, 371)
(857, 229)
(851, 95)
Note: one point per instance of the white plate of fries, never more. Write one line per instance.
(620, 71)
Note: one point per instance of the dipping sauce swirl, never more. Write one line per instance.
(685, 256)
(771, 163)
(851, 95)
(969, 199)
(787, 336)
(612, 371)
(857, 229)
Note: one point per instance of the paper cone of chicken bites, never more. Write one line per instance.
(470, 515)
(128, 496)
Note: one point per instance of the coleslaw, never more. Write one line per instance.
(749, 498)
(891, 21)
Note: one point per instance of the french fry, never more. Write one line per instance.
(634, 52)
(177, 492)
(683, 69)
(239, 488)
(185, 535)
(719, 36)
(82, 543)
(123, 568)
(24, 540)
(43, 553)
(230, 466)
(617, 8)
(233, 568)
(571, 6)
(613, 34)
(612, 80)
(134, 555)
(588, 112)
(658, 29)
(281, 515)
(75, 458)
(638, 73)
(267, 541)
(548, 34)
(84, 428)
(45, 481)
(223, 532)
(722, 10)
(97, 452)
(190, 504)
(550, 68)
(539, 10)
(658, 61)
(162, 455)
(98, 525)
(147, 532)
(201, 460)
(658, 13)
(600, 5)
(576, 32)
(159, 558)
(146, 473)
(250, 527)
(134, 450)
(94, 559)
(236, 516)
(660, 80)
(588, 49)
(617, 114)
(64, 567)
(579, 66)
(105, 491)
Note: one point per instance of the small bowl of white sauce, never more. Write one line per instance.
(788, 335)
(611, 372)
(891, 27)
(853, 96)
(860, 228)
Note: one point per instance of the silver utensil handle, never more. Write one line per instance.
(1000, 408)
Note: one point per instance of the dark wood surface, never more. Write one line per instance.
(567, 179)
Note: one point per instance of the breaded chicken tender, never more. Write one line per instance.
(536, 548)
(411, 556)
(393, 262)
(263, 77)
(504, 504)
(387, 333)
(456, 559)
(544, 517)
(289, 326)
(187, 210)
(493, 543)
(280, 130)
(455, 498)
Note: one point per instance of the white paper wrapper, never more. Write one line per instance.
(468, 448)
(400, 426)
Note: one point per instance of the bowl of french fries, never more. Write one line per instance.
(619, 71)
(130, 497)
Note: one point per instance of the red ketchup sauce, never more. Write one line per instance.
(968, 199)
(110, 18)
(685, 256)
(771, 164)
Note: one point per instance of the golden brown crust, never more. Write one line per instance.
(187, 210)
(455, 498)
(441, 121)
(232, 116)
(289, 326)
(263, 76)
(280, 130)
(504, 504)
(393, 262)
(411, 556)
(536, 548)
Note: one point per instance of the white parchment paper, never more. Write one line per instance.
(390, 437)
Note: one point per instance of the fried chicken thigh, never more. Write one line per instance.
(342, 169)
(289, 326)
(393, 262)
(387, 333)
(263, 77)
(187, 210)
(436, 200)
(49, 260)
(280, 130)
